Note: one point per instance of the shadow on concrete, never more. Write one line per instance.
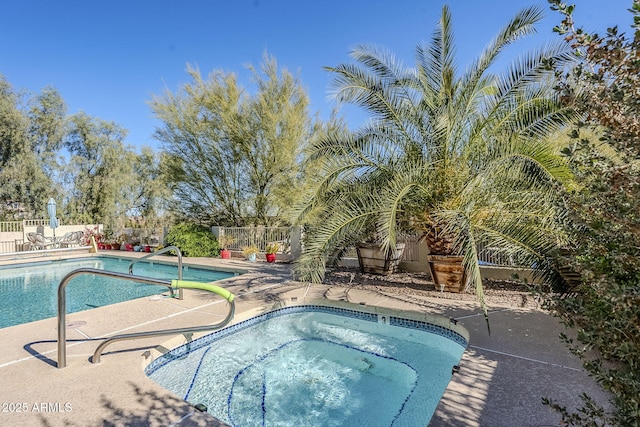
(29, 348)
(155, 410)
(504, 376)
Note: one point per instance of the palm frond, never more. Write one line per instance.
(521, 25)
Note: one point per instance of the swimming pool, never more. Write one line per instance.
(29, 291)
(316, 365)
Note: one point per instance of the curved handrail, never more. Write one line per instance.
(158, 252)
(176, 284)
(179, 284)
(62, 301)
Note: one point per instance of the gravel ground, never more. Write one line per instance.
(497, 292)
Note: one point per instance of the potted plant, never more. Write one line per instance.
(446, 267)
(224, 241)
(372, 257)
(119, 242)
(146, 247)
(92, 235)
(469, 155)
(270, 251)
(137, 247)
(107, 237)
(250, 252)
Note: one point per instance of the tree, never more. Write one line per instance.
(47, 120)
(604, 223)
(100, 170)
(463, 154)
(146, 196)
(12, 123)
(232, 155)
(278, 129)
(80, 160)
(30, 134)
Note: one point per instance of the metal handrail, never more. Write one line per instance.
(62, 301)
(62, 308)
(158, 252)
(176, 331)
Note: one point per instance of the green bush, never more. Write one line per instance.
(193, 240)
(604, 221)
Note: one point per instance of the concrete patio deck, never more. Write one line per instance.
(502, 378)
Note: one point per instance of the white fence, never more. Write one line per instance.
(11, 245)
(287, 238)
(495, 256)
(13, 233)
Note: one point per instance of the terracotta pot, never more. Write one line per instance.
(115, 246)
(270, 257)
(225, 254)
(447, 272)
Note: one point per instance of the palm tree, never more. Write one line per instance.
(462, 158)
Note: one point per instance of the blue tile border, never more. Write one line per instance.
(182, 350)
(429, 327)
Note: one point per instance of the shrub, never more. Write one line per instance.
(193, 240)
(604, 309)
(251, 249)
(272, 248)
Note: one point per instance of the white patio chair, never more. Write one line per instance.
(70, 239)
(42, 242)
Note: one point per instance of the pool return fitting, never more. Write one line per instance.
(172, 286)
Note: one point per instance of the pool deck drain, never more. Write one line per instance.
(501, 381)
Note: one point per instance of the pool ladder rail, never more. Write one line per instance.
(162, 251)
(171, 285)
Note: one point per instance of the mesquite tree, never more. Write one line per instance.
(234, 158)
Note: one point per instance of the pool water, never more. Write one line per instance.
(29, 291)
(315, 366)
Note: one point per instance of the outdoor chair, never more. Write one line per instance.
(70, 239)
(41, 242)
(31, 238)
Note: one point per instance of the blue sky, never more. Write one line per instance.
(109, 58)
